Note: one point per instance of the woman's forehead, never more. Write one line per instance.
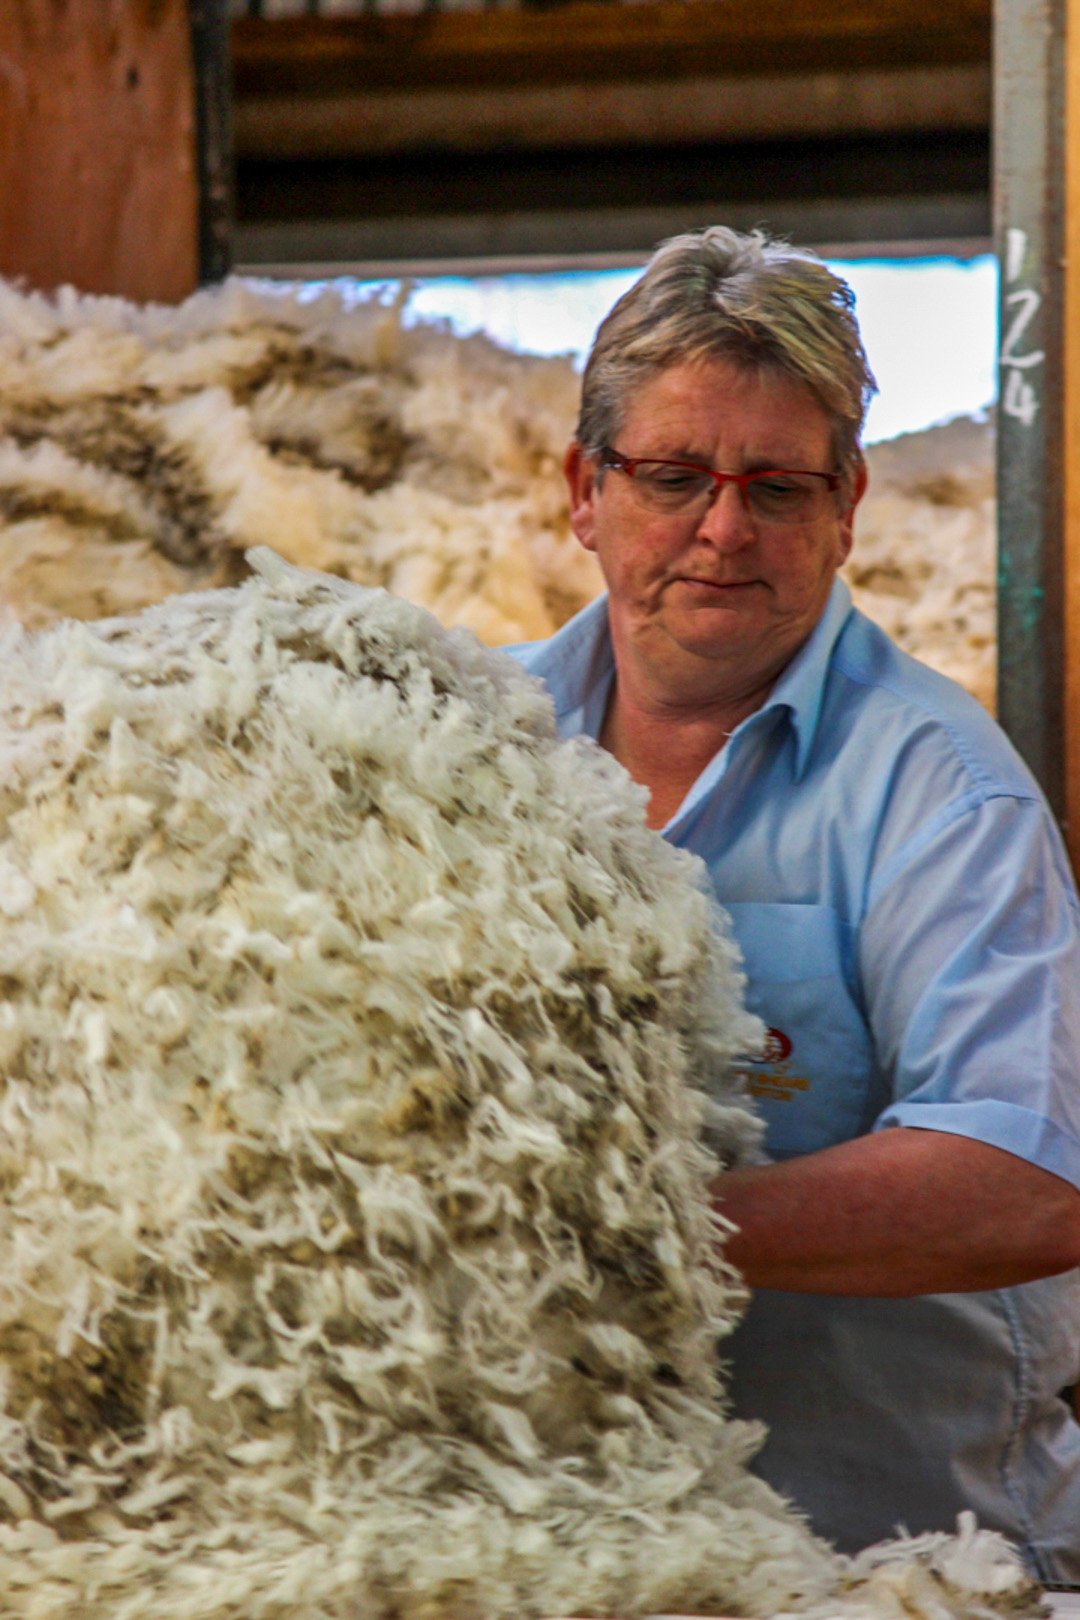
(692, 405)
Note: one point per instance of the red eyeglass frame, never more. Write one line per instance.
(614, 460)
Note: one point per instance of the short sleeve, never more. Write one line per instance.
(970, 968)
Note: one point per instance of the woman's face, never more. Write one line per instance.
(718, 598)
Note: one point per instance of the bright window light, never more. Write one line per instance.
(930, 329)
(930, 326)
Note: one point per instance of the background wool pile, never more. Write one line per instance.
(923, 564)
(141, 451)
(355, 1256)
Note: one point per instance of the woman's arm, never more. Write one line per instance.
(902, 1211)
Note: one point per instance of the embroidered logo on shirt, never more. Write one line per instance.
(774, 1078)
(778, 1047)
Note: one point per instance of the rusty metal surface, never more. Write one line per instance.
(1029, 56)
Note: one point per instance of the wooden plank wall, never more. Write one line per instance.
(98, 183)
(595, 129)
(593, 73)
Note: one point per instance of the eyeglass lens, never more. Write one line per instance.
(773, 496)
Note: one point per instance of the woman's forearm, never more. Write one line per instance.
(897, 1213)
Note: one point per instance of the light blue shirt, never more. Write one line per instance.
(911, 934)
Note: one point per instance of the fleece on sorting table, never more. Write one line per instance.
(358, 1043)
(143, 449)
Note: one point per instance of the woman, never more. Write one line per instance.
(901, 896)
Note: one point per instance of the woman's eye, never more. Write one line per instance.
(777, 491)
(673, 478)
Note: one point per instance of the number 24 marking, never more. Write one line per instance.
(1028, 300)
(1021, 399)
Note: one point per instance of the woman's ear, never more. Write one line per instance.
(580, 470)
(859, 481)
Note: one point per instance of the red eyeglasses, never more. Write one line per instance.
(774, 495)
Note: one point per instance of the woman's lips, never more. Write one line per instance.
(717, 585)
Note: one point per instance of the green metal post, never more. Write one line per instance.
(1029, 192)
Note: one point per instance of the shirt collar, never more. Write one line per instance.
(801, 688)
(577, 664)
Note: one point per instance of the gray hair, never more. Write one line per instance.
(718, 294)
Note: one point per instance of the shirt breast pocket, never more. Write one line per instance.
(816, 1077)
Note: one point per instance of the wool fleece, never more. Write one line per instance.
(359, 1050)
(143, 449)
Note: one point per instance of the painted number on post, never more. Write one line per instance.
(1020, 393)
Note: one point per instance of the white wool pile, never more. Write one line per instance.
(923, 563)
(141, 450)
(356, 1257)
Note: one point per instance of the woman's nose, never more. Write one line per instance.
(726, 521)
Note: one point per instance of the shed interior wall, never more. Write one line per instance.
(97, 146)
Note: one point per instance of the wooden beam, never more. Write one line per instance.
(902, 190)
(495, 118)
(497, 243)
(97, 146)
(1071, 466)
(591, 40)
